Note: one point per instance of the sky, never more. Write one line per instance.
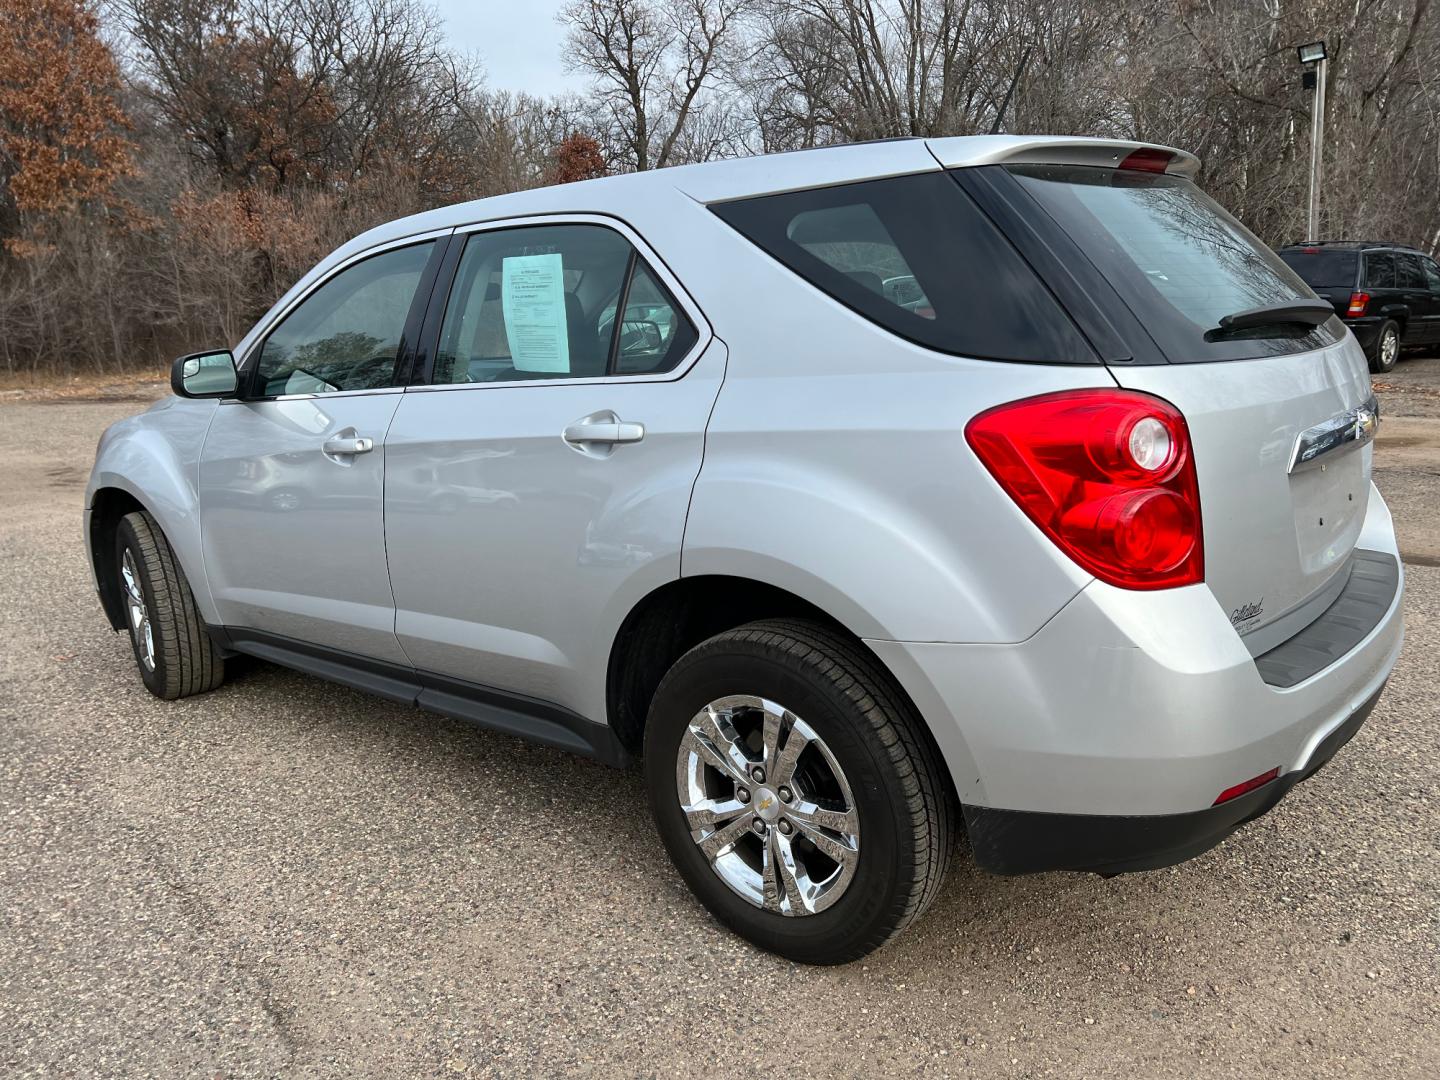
(517, 41)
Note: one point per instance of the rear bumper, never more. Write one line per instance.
(1019, 842)
(1141, 708)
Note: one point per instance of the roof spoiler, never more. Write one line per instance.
(963, 151)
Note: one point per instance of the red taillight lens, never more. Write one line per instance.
(1359, 301)
(1247, 787)
(1107, 475)
(1147, 159)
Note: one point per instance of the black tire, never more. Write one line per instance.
(906, 809)
(1378, 362)
(185, 659)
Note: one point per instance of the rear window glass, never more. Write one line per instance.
(1322, 269)
(915, 255)
(1176, 258)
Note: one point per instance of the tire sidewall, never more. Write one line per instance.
(1388, 328)
(741, 667)
(127, 540)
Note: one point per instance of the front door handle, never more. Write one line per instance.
(348, 445)
(601, 432)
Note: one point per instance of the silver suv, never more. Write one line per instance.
(999, 485)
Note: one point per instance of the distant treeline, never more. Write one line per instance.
(169, 167)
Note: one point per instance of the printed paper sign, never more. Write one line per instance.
(532, 295)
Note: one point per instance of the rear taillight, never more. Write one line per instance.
(1107, 475)
(1358, 302)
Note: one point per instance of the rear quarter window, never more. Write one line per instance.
(915, 255)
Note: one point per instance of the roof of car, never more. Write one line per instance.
(628, 196)
(768, 174)
(1349, 245)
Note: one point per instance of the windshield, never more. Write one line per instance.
(1323, 269)
(1176, 258)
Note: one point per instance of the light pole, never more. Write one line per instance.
(1314, 53)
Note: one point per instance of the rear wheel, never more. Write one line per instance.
(174, 653)
(796, 791)
(1387, 347)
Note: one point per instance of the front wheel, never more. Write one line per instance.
(172, 649)
(1387, 348)
(796, 791)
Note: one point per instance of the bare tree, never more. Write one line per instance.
(653, 62)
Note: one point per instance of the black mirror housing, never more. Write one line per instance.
(205, 375)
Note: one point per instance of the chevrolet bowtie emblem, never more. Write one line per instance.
(764, 804)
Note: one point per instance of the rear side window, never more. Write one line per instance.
(1176, 258)
(1408, 272)
(1380, 271)
(915, 255)
(538, 302)
(1432, 274)
(1324, 269)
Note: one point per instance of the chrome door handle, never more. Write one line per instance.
(604, 429)
(356, 445)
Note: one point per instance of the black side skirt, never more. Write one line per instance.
(1022, 842)
(513, 714)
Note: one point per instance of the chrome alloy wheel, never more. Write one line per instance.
(139, 614)
(768, 805)
(1389, 348)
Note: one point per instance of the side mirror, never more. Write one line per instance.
(205, 375)
(639, 336)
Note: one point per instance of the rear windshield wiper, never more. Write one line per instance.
(1303, 312)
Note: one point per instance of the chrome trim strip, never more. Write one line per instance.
(1352, 427)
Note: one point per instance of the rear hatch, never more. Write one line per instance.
(1331, 273)
(1283, 480)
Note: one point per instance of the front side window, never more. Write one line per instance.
(538, 302)
(348, 333)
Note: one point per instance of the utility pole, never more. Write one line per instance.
(1314, 53)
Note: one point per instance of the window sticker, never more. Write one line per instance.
(532, 293)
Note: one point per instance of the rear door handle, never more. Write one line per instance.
(344, 446)
(602, 431)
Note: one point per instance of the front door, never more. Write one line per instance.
(538, 487)
(292, 478)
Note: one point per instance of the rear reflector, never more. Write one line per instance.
(1358, 302)
(1147, 159)
(1247, 787)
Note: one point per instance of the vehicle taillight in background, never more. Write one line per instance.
(1107, 475)
(1358, 302)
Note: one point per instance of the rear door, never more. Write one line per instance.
(537, 486)
(1278, 528)
(1432, 285)
(1423, 324)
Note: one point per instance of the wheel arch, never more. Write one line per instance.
(108, 506)
(678, 615)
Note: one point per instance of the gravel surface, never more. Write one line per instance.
(288, 878)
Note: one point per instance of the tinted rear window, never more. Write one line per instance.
(1175, 257)
(915, 255)
(1322, 269)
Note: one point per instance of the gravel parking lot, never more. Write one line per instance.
(288, 878)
